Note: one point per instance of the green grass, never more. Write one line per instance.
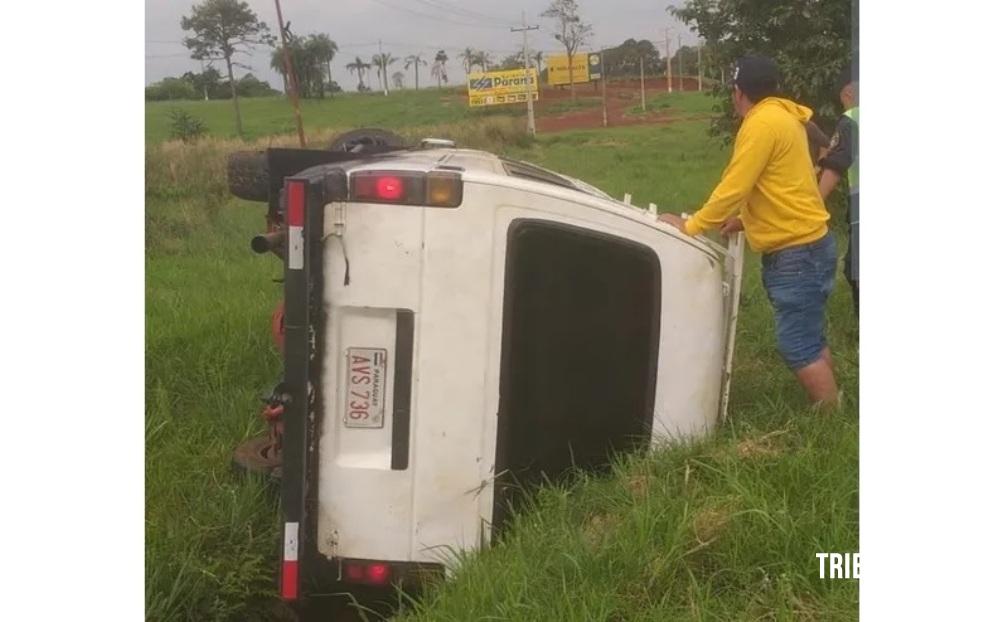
(673, 166)
(262, 116)
(210, 536)
(722, 529)
(675, 104)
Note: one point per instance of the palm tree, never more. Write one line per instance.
(416, 61)
(382, 62)
(482, 58)
(358, 67)
(321, 50)
(298, 56)
(439, 69)
(398, 79)
(311, 56)
(377, 63)
(467, 59)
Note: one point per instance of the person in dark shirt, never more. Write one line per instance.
(818, 142)
(842, 159)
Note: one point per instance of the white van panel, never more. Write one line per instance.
(447, 266)
(450, 396)
(364, 507)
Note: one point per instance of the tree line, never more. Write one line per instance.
(811, 42)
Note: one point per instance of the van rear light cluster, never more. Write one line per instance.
(433, 189)
(371, 573)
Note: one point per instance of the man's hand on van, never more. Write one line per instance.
(675, 220)
(732, 225)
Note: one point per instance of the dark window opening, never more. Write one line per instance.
(579, 352)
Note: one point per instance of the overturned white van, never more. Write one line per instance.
(457, 322)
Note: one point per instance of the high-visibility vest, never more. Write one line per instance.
(853, 173)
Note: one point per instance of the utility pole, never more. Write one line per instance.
(604, 91)
(530, 115)
(293, 77)
(382, 66)
(668, 63)
(679, 53)
(699, 66)
(641, 63)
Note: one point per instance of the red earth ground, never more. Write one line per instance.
(622, 96)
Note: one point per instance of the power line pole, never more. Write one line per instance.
(668, 63)
(699, 66)
(530, 115)
(679, 53)
(604, 90)
(293, 77)
(641, 63)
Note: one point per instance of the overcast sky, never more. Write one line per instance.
(409, 27)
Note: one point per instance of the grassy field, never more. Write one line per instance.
(265, 116)
(723, 529)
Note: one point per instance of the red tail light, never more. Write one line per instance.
(373, 573)
(389, 188)
(377, 573)
(434, 189)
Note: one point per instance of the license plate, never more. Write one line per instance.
(365, 387)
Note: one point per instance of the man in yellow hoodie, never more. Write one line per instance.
(769, 190)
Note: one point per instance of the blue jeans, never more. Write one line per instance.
(798, 281)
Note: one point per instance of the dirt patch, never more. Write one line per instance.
(598, 527)
(638, 485)
(767, 446)
(710, 521)
(622, 96)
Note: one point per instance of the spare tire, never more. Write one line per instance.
(248, 172)
(366, 139)
(249, 175)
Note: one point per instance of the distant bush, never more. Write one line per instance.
(171, 89)
(251, 86)
(185, 127)
(192, 85)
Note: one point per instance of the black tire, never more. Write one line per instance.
(366, 139)
(256, 456)
(249, 175)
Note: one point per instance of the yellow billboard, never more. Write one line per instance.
(586, 67)
(490, 88)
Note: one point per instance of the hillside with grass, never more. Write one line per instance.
(725, 528)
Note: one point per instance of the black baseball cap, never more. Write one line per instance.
(757, 76)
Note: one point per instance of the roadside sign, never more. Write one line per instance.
(586, 67)
(490, 88)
